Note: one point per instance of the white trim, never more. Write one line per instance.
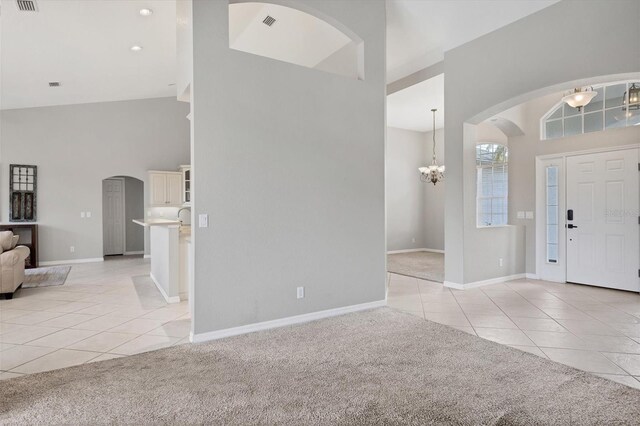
(588, 151)
(174, 299)
(297, 319)
(415, 250)
(131, 253)
(147, 256)
(532, 276)
(71, 261)
(475, 284)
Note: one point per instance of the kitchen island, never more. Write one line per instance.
(170, 252)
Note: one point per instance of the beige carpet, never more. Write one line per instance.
(374, 367)
(45, 276)
(421, 264)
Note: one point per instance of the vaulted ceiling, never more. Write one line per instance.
(86, 45)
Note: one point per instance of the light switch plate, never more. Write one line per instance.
(203, 220)
(521, 215)
(88, 214)
(81, 215)
(529, 215)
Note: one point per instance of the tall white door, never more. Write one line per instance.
(113, 216)
(603, 247)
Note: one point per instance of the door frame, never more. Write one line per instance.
(558, 272)
(124, 215)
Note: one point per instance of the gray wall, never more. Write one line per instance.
(405, 193)
(415, 209)
(75, 147)
(524, 149)
(500, 70)
(289, 166)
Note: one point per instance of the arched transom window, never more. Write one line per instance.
(616, 105)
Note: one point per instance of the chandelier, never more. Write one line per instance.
(580, 97)
(432, 173)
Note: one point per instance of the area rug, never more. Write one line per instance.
(46, 276)
(373, 367)
(420, 264)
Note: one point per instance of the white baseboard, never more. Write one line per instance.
(415, 250)
(173, 299)
(298, 319)
(71, 261)
(131, 253)
(147, 256)
(532, 276)
(475, 284)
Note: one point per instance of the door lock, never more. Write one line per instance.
(571, 226)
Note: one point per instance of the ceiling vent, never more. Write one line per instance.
(54, 84)
(269, 20)
(27, 5)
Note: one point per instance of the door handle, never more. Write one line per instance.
(571, 226)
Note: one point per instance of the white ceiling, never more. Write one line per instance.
(420, 31)
(411, 108)
(85, 44)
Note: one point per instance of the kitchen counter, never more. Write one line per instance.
(169, 247)
(156, 222)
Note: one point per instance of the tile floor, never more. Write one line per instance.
(104, 310)
(590, 328)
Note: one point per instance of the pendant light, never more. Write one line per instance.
(631, 98)
(580, 97)
(433, 173)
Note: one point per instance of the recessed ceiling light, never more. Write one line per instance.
(146, 12)
(136, 48)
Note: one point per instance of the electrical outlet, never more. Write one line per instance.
(72, 249)
(500, 262)
(413, 240)
(300, 292)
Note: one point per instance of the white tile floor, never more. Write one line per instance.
(101, 312)
(590, 328)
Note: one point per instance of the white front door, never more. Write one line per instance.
(603, 246)
(113, 216)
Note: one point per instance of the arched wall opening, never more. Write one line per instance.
(283, 31)
(511, 251)
(122, 202)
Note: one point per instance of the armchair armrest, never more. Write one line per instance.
(12, 257)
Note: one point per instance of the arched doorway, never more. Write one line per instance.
(122, 201)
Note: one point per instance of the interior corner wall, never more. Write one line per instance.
(77, 146)
(500, 69)
(405, 192)
(289, 166)
(134, 209)
(434, 196)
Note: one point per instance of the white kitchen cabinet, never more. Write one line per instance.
(186, 184)
(166, 189)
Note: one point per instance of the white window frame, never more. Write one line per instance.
(492, 197)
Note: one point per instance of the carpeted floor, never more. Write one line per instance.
(45, 276)
(420, 264)
(374, 367)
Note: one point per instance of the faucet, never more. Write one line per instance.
(183, 208)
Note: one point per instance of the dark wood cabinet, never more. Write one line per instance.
(28, 233)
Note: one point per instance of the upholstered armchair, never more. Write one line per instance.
(12, 270)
